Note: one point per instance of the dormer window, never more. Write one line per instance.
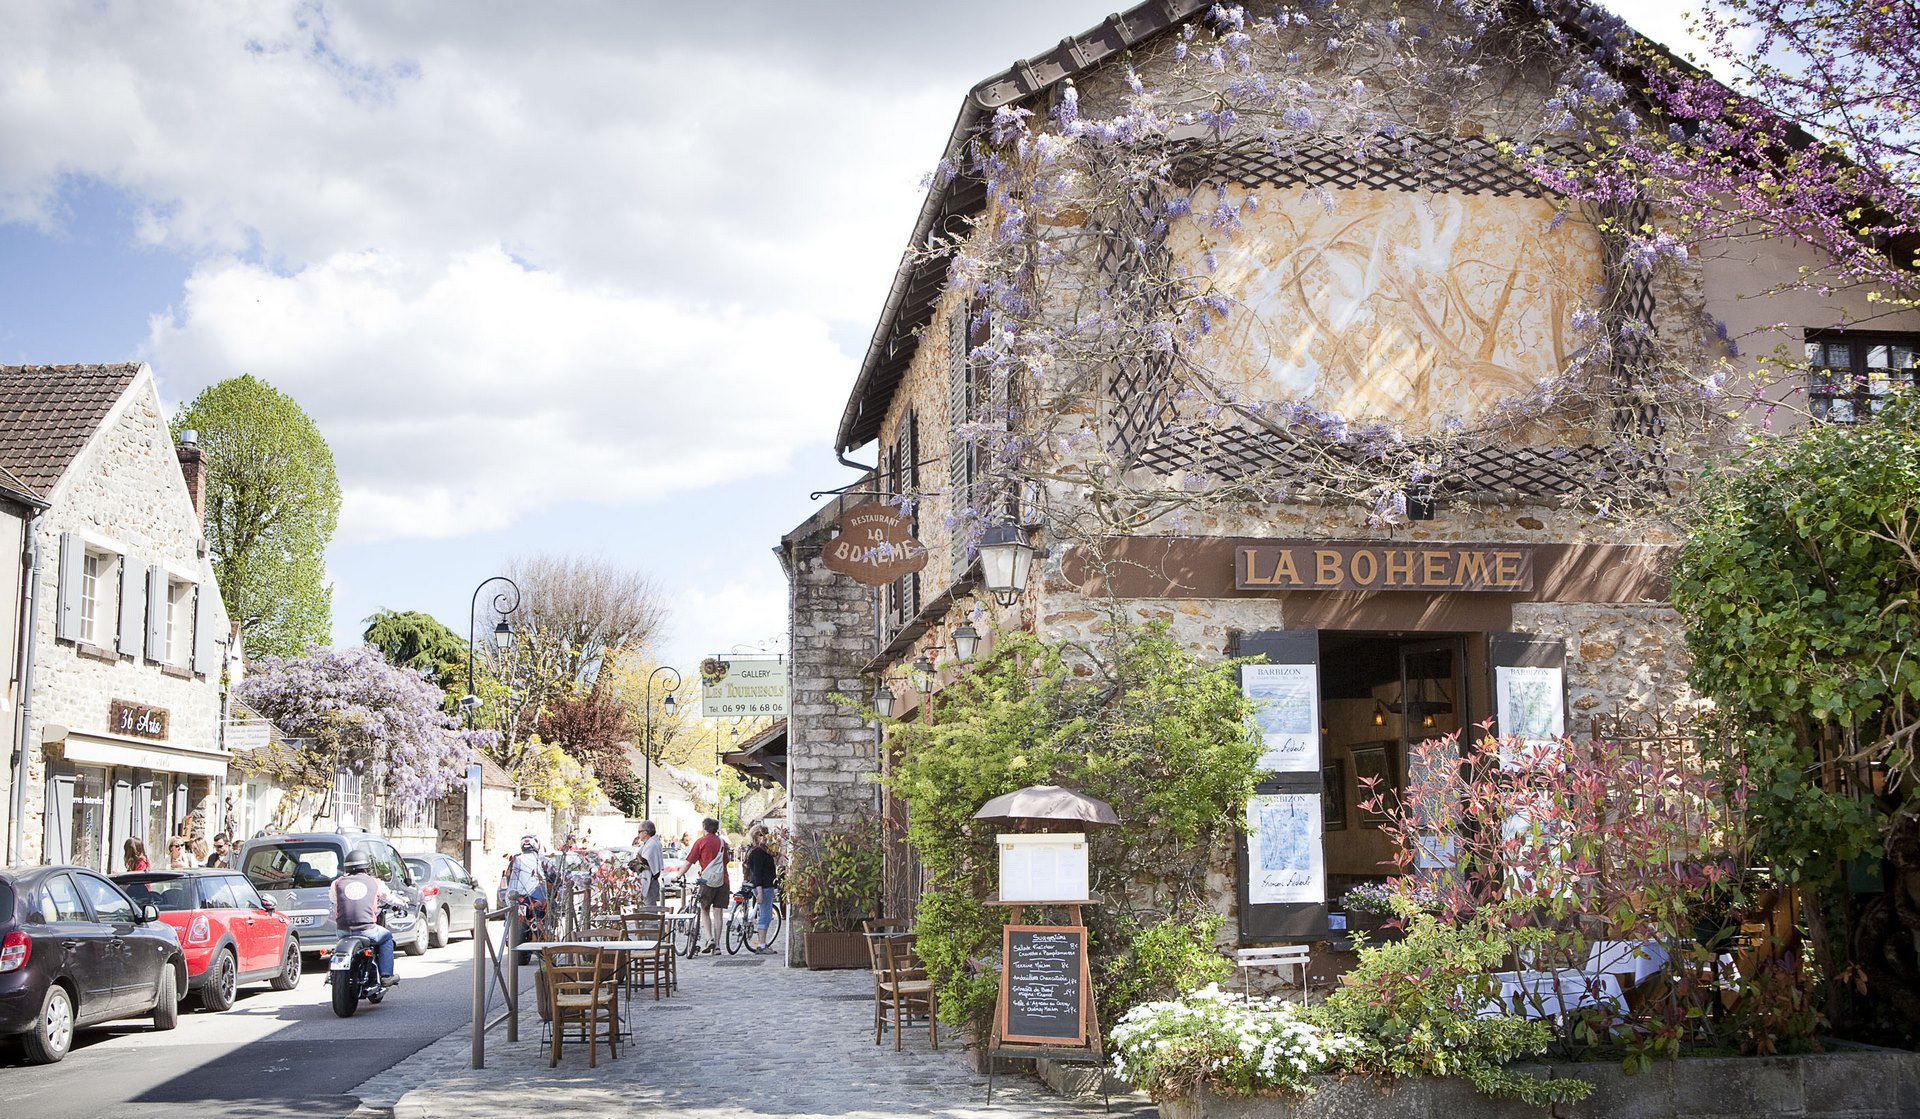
(1851, 373)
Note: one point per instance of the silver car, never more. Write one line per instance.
(296, 871)
(449, 893)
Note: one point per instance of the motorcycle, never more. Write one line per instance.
(353, 969)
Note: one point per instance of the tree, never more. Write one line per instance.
(272, 504)
(1801, 589)
(411, 639)
(576, 613)
(592, 729)
(348, 709)
(676, 732)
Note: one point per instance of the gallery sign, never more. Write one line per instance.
(746, 686)
(875, 545)
(137, 719)
(1311, 565)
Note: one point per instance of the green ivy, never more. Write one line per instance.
(1139, 721)
(1802, 598)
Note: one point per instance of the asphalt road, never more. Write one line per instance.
(274, 1054)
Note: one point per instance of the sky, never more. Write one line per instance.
(584, 278)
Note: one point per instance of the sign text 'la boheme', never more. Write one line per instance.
(1322, 566)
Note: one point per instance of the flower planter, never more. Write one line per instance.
(831, 950)
(1374, 925)
(1863, 1083)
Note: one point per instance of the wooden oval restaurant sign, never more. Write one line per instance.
(875, 545)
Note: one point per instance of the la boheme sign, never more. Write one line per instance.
(136, 719)
(875, 545)
(1312, 565)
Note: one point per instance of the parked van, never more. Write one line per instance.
(296, 871)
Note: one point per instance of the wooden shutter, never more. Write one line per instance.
(66, 618)
(1296, 919)
(133, 606)
(960, 453)
(205, 651)
(57, 844)
(156, 613)
(909, 483)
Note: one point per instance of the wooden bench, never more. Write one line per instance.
(1276, 957)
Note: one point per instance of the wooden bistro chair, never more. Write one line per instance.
(650, 969)
(904, 986)
(582, 987)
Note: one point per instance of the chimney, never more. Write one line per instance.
(194, 471)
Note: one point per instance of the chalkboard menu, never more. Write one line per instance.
(1044, 988)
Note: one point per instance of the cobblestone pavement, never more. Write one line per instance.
(743, 1037)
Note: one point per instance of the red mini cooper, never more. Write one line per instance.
(231, 936)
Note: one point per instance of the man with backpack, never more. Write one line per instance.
(707, 865)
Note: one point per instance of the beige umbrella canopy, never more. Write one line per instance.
(1048, 803)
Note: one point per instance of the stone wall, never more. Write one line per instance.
(831, 751)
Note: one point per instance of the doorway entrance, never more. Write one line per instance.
(1380, 693)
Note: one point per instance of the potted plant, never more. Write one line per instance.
(1370, 905)
(834, 882)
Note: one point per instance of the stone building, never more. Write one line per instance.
(1409, 284)
(121, 699)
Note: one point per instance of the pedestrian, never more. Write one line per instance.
(527, 875)
(199, 849)
(649, 861)
(707, 863)
(133, 855)
(760, 871)
(177, 856)
(222, 851)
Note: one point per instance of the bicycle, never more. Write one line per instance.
(740, 916)
(686, 934)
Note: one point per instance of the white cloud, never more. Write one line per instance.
(749, 613)
(460, 392)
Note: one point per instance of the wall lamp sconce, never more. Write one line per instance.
(923, 674)
(1006, 561)
(966, 642)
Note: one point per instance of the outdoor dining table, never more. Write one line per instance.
(1549, 994)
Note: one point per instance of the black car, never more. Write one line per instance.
(75, 951)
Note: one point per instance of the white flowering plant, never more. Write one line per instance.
(1238, 1046)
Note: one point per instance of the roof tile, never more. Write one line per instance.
(48, 412)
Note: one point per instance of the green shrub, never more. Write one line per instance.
(835, 876)
(1236, 1047)
(1413, 1007)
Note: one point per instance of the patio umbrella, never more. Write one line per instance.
(1049, 802)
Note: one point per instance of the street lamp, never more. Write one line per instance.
(883, 698)
(966, 642)
(1006, 559)
(504, 603)
(647, 785)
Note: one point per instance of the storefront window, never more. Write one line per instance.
(89, 817)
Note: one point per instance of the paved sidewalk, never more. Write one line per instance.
(745, 1036)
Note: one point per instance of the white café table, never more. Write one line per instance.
(1549, 994)
(1641, 959)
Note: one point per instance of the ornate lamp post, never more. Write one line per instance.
(647, 785)
(504, 603)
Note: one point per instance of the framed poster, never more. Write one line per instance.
(1333, 795)
(1286, 862)
(1374, 761)
(1286, 699)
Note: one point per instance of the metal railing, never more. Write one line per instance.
(488, 958)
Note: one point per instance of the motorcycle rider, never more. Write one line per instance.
(357, 899)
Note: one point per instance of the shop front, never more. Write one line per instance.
(1367, 647)
(103, 789)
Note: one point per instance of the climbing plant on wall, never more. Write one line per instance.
(1137, 720)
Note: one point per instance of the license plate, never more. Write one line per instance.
(341, 962)
(303, 922)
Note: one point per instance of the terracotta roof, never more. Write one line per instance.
(12, 486)
(48, 412)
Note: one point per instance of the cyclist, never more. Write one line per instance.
(707, 865)
(759, 871)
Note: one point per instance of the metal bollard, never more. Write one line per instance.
(480, 983)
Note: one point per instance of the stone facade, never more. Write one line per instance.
(123, 496)
(831, 750)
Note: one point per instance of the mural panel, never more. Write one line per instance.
(1395, 306)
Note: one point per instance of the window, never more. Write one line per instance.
(242, 892)
(92, 579)
(168, 895)
(59, 901)
(290, 866)
(109, 904)
(216, 892)
(1851, 374)
(179, 622)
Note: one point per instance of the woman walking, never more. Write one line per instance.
(760, 871)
